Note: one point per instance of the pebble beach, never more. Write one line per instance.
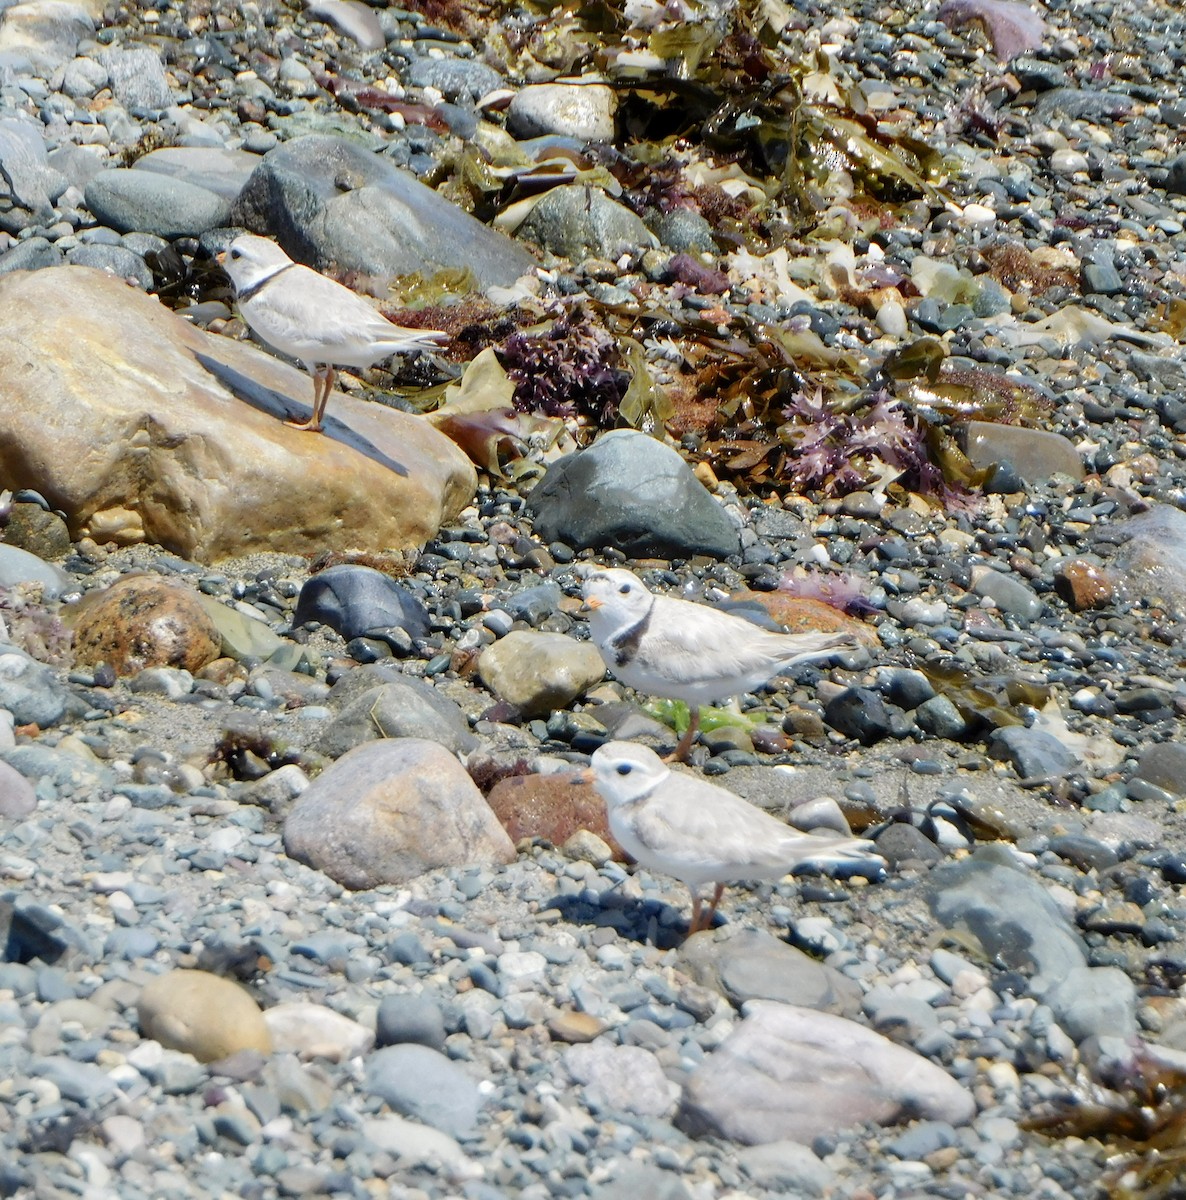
(855, 318)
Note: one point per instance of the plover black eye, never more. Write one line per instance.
(624, 768)
(624, 589)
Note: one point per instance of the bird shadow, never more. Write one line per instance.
(643, 921)
(277, 404)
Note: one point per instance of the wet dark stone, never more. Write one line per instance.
(859, 713)
(356, 601)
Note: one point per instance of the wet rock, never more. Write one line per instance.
(391, 810)
(552, 807)
(402, 708)
(146, 202)
(385, 222)
(540, 672)
(939, 717)
(201, 1014)
(578, 222)
(631, 492)
(144, 621)
(584, 111)
(241, 636)
(788, 1073)
(457, 79)
(359, 601)
(754, 965)
(859, 713)
(173, 434)
(1083, 585)
(901, 843)
(1033, 753)
(115, 260)
(621, 1078)
(1035, 454)
(1011, 915)
(1152, 560)
(422, 1083)
(1164, 765)
(1008, 594)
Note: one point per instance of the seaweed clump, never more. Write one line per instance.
(839, 452)
(568, 370)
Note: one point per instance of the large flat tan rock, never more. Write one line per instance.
(141, 427)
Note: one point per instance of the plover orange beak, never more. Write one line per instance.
(591, 605)
(220, 257)
(585, 776)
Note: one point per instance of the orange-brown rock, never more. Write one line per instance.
(141, 427)
(144, 621)
(803, 615)
(552, 807)
(1084, 585)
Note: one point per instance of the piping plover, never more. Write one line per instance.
(311, 318)
(686, 651)
(700, 833)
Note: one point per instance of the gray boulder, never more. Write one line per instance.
(632, 492)
(330, 202)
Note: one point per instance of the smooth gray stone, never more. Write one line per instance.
(19, 566)
(1094, 1002)
(29, 186)
(417, 1081)
(223, 172)
(1033, 753)
(31, 692)
(630, 491)
(1009, 913)
(409, 1018)
(579, 222)
(43, 36)
(401, 708)
(329, 201)
(144, 202)
(33, 254)
(683, 230)
(1164, 765)
(81, 1082)
(116, 260)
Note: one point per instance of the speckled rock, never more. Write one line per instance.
(391, 810)
(145, 621)
(552, 807)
